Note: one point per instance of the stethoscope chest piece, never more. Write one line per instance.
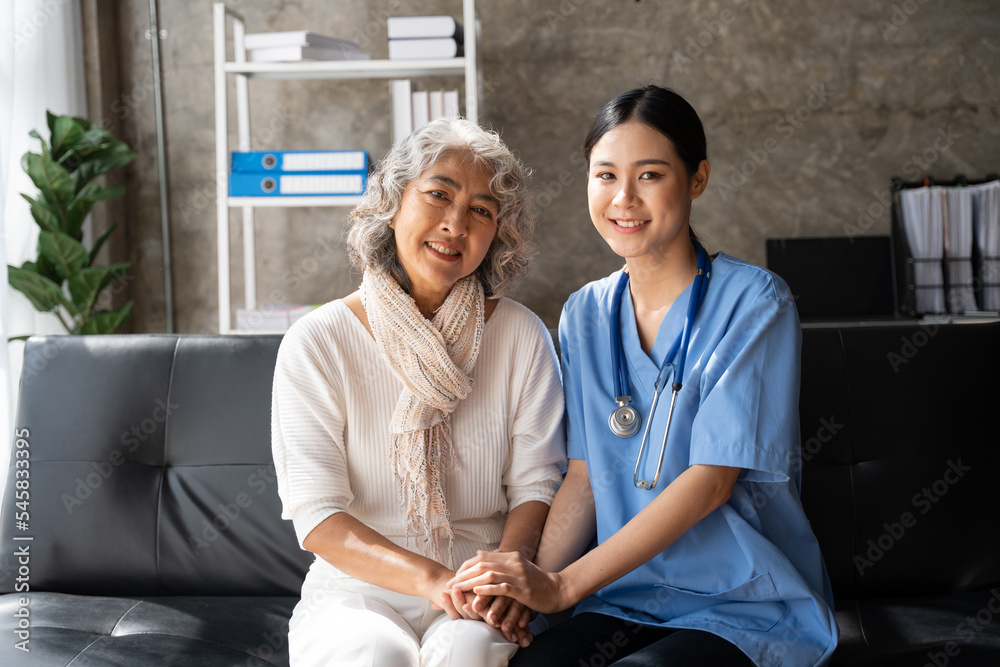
(624, 421)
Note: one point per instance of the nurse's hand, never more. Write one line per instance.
(507, 615)
(514, 623)
(511, 574)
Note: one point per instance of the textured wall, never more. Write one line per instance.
(809, 108)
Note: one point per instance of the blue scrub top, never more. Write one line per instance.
(751, 571)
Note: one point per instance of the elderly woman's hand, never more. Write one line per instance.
(455, 603)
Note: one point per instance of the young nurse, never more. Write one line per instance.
(704, 555)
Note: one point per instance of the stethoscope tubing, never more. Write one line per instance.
(679, 349)
(641, 483)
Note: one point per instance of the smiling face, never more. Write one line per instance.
(446, 222)
(640, 193)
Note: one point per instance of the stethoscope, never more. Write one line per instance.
(624, 421)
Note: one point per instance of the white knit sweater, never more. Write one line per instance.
(333, 400)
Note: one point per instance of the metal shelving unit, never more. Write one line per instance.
(243, 71)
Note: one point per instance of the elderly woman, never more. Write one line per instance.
(419, 419)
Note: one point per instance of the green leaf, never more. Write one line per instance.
(66, 134)
(107, 158)
(52, 179)
(106, 322)
(50, 119)
(93, 192)
(85, 123)
(95, 138)
(46, 218)
(43, 294)
(11, 339)
(45, 147)
(44, 267)
(66, 253)
(86, 285)
(77, 210)
(99, 242)
(110, 192)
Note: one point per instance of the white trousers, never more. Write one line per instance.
(349, 623)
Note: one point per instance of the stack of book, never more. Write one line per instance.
(274, 317)
(297, 45)
(412, 109)
(298, 173)
(418, 37)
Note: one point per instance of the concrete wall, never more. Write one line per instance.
(810, 108)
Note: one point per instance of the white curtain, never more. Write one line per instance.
(41, 68)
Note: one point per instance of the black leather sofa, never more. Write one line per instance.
(157, 537)
(901, 472)
(152, 531)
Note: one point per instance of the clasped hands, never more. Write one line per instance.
(501, 588)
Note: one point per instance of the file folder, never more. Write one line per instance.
(304, 161)
(945, 240)
(257, 184)
(986, 251)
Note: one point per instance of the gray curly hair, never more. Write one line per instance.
(371, 242)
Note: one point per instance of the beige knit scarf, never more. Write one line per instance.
(433, 360)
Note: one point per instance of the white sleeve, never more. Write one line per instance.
(307, 429)
(538, 441)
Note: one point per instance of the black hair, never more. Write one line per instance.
(661, 109)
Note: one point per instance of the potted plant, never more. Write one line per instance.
(63, 279)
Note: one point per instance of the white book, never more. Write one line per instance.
(421, 109)
(274, 54)
(451, 104)
(415, 49)
(435, 100)
(277, 317)
(262, 40)
(402, 108)
(409, 27)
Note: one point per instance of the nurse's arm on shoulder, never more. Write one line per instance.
(692, 496)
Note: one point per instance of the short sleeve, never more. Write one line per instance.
(538, 441)
(575, 442)
(307, 431)
(748, 415)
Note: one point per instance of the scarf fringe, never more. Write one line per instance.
(433, 360)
